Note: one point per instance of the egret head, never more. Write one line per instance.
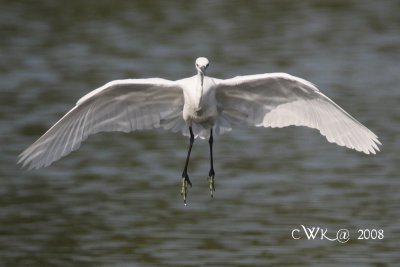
(202, 64)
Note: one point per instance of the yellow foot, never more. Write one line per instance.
(184, 190)
(211, 183)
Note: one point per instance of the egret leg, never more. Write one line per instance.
(185, 176)
(211, 174)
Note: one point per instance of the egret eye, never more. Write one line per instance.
(207, 65)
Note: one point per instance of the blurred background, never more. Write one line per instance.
(116, 201)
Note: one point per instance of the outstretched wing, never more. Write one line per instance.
(280, 100)
(121, 105)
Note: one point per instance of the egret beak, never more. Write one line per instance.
(203, 69)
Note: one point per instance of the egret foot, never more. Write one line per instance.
(184, 190)
(211, 176)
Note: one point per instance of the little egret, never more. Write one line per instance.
(199, 106)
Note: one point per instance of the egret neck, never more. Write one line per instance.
(201, 66)
(199, 89)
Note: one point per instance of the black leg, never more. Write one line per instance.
(211, 174)
(185, 176)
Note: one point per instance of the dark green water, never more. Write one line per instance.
(116, 201)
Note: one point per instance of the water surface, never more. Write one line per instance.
(116, 201)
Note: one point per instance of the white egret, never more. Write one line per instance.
(199, 106)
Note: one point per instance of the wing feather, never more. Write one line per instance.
(122, 105)
(280, 100)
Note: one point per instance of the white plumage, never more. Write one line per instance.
(204, 103)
